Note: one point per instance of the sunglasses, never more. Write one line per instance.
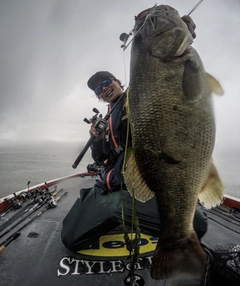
(98, 90)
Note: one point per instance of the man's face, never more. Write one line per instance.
(111, 92)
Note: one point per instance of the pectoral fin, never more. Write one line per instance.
(214, 84)
(134, 181)
(211, 193)
(191, 82)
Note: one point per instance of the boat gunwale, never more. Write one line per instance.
(4, 201)
(229, 201)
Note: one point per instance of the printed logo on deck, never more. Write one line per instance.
(109, 246)
(114, 245)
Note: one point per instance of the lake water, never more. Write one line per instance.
(19, 167)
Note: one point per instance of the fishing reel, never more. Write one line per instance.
(38, 199)
(134, 280)
(16, 203)
(24, 196)
(94, 167)
(100, 124)
(124, 38)
(51, 202)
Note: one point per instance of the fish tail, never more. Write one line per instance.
(184, 260)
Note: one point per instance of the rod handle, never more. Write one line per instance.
(2, 248)
(84, 150)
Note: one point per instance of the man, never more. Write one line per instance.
(99, 209)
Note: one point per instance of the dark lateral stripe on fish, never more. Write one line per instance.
(162, 156)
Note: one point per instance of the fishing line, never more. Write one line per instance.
(125, 69)
(133, 31)
(124, 37)
(194, 8)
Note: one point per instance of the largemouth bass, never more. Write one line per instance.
(173, 133)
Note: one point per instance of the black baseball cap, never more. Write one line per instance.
(98, 77)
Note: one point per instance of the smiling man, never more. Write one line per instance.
(107, 149)
(105, 86)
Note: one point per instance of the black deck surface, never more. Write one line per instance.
(38, 258)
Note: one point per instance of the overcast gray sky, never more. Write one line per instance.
(49, 49)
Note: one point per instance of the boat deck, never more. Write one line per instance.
(38, 257)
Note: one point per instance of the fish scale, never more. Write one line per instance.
(173, 133)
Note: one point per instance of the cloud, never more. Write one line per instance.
(50, 48)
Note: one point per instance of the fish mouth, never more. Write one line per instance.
(155, 10)
(166, 13)
(159, 33)
(182, 57)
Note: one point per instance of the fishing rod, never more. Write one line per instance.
(16, 215)
(26, 208)
(5, 243)
(50, 199)
(17, 201)
(8, 204)
(33, 209)
(16, 234)
(100, 126)
(14, 204)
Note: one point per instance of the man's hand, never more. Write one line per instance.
(99, 128)
(99, 135)
(190, 24)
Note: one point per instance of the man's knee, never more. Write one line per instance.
(68, 241)
(200, 222)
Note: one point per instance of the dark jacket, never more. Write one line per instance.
(109, 152)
